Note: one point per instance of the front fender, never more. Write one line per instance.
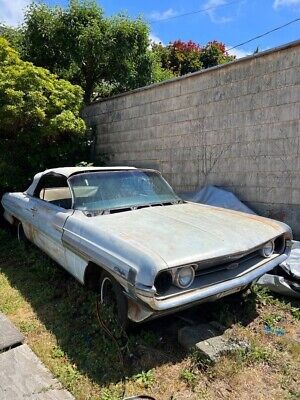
(115, 253)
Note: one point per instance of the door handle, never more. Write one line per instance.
(31, 209)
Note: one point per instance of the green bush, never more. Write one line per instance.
(40, 124)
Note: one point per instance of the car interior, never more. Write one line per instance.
(54, 189)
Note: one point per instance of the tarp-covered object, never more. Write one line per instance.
(284, 279)
(215, 196)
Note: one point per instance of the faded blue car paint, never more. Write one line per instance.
(134, 246)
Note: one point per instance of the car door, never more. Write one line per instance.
(51, 207)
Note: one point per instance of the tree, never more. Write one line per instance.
(180, 57)
(13, 35)
(39, 119)
(185, 57)
(214, 53)
(104, 55)
(81, 45)
(160, 74)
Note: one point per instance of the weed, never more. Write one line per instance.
(189, 377)
(262, 294)
(295, 311)
(271, 320)
(110, 394)
(57, 352)
(265, 297)
(145, 379)
(69, 375)
(255, 354)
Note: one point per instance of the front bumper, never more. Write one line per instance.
(147, 305)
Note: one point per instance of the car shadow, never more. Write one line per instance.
(68, 311)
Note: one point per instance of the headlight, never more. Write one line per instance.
(268, 249)
(184, 277)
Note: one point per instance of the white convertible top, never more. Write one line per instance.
(68, 171)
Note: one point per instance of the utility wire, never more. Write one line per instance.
(264, 34)
(155, 21)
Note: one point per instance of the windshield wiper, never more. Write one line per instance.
(163, 203)
(94, 213)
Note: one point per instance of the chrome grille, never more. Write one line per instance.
(233, 264)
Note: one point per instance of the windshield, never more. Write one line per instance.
(96, 191)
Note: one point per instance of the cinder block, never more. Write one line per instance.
(208, 339)
(292, 76)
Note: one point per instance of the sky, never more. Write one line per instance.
(231, 22)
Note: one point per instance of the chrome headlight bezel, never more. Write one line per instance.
(163, 282)
(268, 249)
(178, 276)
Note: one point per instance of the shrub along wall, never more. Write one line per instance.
(235, 125)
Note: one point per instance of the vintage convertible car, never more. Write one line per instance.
(124, 232)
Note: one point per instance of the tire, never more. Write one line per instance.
(21, 234)
(111, 295)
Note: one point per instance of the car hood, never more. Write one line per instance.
(190, 232)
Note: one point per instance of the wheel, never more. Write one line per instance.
(113, 301)
(21, 234)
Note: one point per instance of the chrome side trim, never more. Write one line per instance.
(86, 251)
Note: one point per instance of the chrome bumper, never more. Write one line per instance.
(150, 305)
(196, 295)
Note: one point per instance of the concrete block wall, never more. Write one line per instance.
(236, 126)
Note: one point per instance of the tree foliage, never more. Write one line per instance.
(185, 57)
(81, 45)
(14, 35)
(214, 53)
(180, 57)
(39, 119)
(104, 55)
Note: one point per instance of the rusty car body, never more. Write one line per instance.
(163, 253)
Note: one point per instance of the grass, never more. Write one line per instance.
(255, 354)
(58, 318)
